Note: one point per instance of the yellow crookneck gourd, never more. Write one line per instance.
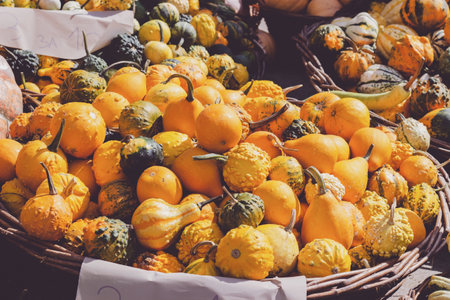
(388, 235)
(352, 173)
(58, 72)
(158, 223)
(326, 217)
(206, 265)
(284, 244)
(28, 168)
(46, 216)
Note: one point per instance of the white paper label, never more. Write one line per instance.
(59, 33)
(101, 280)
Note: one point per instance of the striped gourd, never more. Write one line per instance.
(231, 30)
(424, 15)
(438, 42)
(391, 12)
(166, 12)
(423, 200)
(429, 94)
(438, 122)
(389, 35)
(362, 29)
(378, 79)
(288, 170)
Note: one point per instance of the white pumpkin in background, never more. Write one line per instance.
(50, 4)
(322, 8)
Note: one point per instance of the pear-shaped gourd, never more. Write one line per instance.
(284, 244)
(352, 173)
(388, 235)
(158, 223)
(326, 217)
(46, 216)
(206, 265)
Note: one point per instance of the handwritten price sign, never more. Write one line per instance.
(60, 33)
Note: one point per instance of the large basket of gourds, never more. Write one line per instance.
(373, 54)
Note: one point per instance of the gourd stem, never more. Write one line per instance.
(317, 178)
(146, 65)
(442, 187)
(291, 88)
(211, 249)
(84, 4)
(138, 66)
(352, 44)
(225, 74)
(247, 90)
(127, 138)
(180, 43)
(22, 76)
(203, 203)
(291, 224)
(257, 124)
(9, 52)
(218, 100)
(51, 185)
(393, 206)
(229, 194)
(190, 96)
(161, 33)
(400, 116)
(278, 144)
(365, 263)
(85, 44)
(215, 156)
(369, 152)
(55, 143)
(416, 74)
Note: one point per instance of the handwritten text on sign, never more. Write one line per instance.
(60, 33)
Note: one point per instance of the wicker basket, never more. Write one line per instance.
(383, 275)
(321, 78)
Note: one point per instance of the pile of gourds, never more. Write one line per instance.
(389, 44)
(215, 181)
(91, 5)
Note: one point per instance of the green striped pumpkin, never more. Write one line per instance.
(424, 15)
(166, 12)
(438, 123)
(327, 38)
(438, 42)
(118, 200)
(231, 30)
(423, 200)
(82, 86)
(183, 34)
(288, 170)
(378, 79)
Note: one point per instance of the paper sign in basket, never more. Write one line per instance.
(60, 33)
(101, 280)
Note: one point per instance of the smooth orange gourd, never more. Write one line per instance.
(353, 174)
(198, 176)
(110, 105)
(192, 71)
(159, 182)
(181, 115)
(212, 82)
(417, 226)
(281, 122)
(159, 73)
(316, 150)
(346, 116)
(314, 107)
(233, 97)
(208, 95)
(132, 85)
(9, 150)
(342, 148)
(326, 217)
(358, 222)
(83, 170)
(267, 141)
(162, 94)
(417, 169)
(218, 128)
(361, 141)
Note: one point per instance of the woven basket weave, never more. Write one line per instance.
(385, 274)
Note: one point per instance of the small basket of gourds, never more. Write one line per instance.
(166, 169)
(372, 54)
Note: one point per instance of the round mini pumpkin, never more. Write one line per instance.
(82, 86)
(140, 118)
(314, 107)
(128, 82)
(173, 143)
(159, 182)
(161, 262)
(288, 170)
(418, 169)
(41, 117)
(83, 170)
(389, 184)
(323, 257)
(246, 253)
(424, 201)
(106, 163)
(46, 216)
(110, 105)
(9, 150)
(85, 129)
(117, 199)
(14, 194)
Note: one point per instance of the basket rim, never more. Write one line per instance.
(322, 81)
(384, 274)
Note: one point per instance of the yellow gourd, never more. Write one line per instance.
(203, 266)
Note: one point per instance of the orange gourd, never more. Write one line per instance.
(233, 97)
(218, 128)
(326, 217)
(352, 173)
(106, 163)
(417, 169)
(198, 176)
(41, 117)
(314, 107)
(417, 226)
(130, 84)
(181, 115)
(279, 201)
(193, 72)
(110, 105)
(316, 150)
(212, 82)
(83, 170)
(159, 73)
(208, 95)
(342, 148)
(162, 94)
(20, 126)
(9, 150)
(346, 116)
(267, 141)
(269, 107)
(159, 182)
(358, 222)
(85, 128)
(361, 141)
(208, 211)
(28, 164)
